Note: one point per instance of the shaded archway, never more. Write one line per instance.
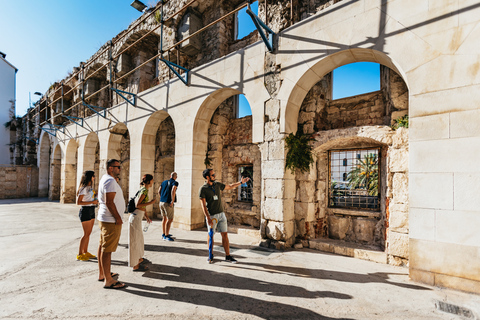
(91, 156)
(232, 154)
(119, 148)
(158, 150)
(55, 173)
(44, 165)
(69, 173)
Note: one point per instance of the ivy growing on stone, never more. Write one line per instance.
(299, 154)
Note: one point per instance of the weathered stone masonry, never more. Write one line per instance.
(429, 225)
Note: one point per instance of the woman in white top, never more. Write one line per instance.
(86, 199)
(135, 234)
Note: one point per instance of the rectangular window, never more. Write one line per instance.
(355, 186)
(245, 191)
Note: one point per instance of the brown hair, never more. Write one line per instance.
(146, 179)
(86, 179)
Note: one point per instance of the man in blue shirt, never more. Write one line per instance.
(167, 192)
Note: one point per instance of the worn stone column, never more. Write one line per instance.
(278, 185)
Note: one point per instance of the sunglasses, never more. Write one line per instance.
(212, 175)
(116, 167)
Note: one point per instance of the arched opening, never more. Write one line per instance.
(158, 150)
(70, 173)
(44, 165)
(230, 152)
(119, 148)
(91, 156)
(332, 201)
(56, 174)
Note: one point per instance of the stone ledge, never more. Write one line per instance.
(246, 231)
(353, 250)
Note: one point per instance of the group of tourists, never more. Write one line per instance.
(111, 206)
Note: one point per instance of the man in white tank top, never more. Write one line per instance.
(111, 208)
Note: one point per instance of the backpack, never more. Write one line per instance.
(131, 203)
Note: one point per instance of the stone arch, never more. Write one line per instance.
(45, 151)
(55, 173)
(158, 150)
(230, 151)
(91, 156)
(119, 148)
(202, 123)
(69, 172)
(295, 92)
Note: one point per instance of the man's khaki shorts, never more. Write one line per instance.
(109, 236)
(166, 210)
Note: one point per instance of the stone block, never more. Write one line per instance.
(278, 209)
(398, 244)
(290, 188)
(276, 150)
(273, 169)
(398, 217)
(274, 188)
(305, 191)
(430, 127)
(272, 131)
(400, 138)
(464, 124)
(431, 190)
(338, 227)
(457, 227)
(398, 160)
(422, 224)
(272, 109)
(364, 229)
(466, 188)
(275, 230)
(400, 188)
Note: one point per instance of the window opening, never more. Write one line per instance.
(354, 79)
(355, 186)
(242, 107)
(243, 23)
(245, 191)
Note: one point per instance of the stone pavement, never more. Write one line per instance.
(40, 278)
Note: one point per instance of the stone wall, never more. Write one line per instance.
(18, 182)
(356, 122)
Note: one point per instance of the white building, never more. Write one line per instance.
(7, 105)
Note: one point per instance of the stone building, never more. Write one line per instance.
(423, 209)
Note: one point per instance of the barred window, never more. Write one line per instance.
(245, 191)
(356, 185)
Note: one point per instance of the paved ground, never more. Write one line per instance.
(40, 278)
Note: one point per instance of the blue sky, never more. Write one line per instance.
(46, 39)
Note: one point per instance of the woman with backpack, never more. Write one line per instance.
(135, 234)
(86, 199)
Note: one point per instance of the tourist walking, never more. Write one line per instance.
(167, 192)
(136, 242)
(211, 202)
(86, 199)
(112, 206)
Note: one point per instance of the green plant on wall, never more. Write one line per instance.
(158, 16)
(400, 122)
(299, 151)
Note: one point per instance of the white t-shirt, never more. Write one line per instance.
(108, 184)
(88, 195)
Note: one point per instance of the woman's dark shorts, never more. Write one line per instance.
(87, 213)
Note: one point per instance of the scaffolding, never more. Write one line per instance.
(179, 71)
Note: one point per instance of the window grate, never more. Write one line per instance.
(354, 179)
(245, 191)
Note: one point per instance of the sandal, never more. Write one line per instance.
(116, 285)
(113, 274)
(141, 268)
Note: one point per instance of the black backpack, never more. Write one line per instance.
(131, 203)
